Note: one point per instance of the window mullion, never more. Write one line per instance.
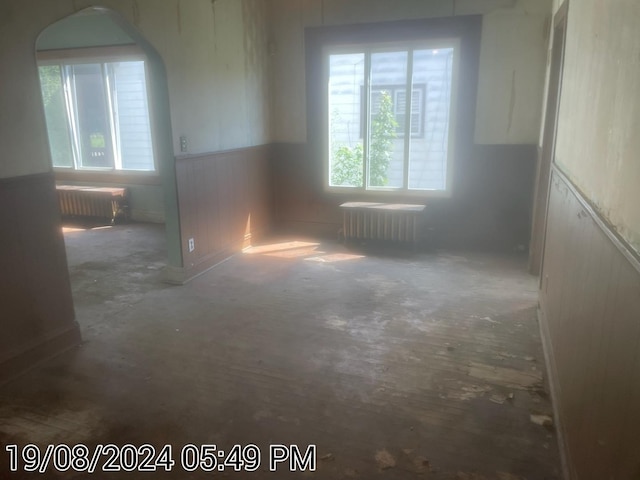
(367, 122)
(106, 74)
(70, 104)
(408, 104)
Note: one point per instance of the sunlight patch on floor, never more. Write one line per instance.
(278, 247)
(335, 257)
(299, 249)
(75, 229)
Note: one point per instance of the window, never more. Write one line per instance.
(97, 115)
(369, 89)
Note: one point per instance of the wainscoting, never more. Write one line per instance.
(590, 319)
(224, 201)
(489, 209)
(35, 293)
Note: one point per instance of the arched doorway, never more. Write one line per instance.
(106, 105)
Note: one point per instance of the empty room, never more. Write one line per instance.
(320, 239)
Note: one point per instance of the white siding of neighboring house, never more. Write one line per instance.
(433, 73)
(132, 116)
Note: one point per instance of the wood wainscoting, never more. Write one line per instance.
(224, 201)
(590, 321)
(489, 208)
(37, 316)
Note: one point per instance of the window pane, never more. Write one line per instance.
(429, 147)
(386, 148)
(132, 115)
(56, 116)
(346, 78)
(92, 120)
(417, 102)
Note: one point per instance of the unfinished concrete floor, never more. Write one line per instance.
(395, 366)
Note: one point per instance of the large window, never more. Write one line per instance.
(98, 115)
(377, 93)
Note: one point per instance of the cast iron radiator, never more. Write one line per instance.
(381, 221)
(92, 202)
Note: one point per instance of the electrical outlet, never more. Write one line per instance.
(192, 245)
(183, 144)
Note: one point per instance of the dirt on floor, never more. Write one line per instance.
(361, 364)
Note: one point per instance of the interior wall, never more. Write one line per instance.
(493, 178)
(36, 309)
(512, 70)
(37, 318)
(512, 62)
(598, 138)
(216, 66)
(225, 204)
(590, 287)
(215, 60)
(210, 68)
(590, 304)
(216, 69)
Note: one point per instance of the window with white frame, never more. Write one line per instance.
(97, 115)
(369, 89)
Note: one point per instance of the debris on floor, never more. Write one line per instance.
(385, 460)
(542, 420)
(349, 356)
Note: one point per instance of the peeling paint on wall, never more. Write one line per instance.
(136, 13)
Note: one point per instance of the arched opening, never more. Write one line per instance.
(106, 106)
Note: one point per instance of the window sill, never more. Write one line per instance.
(108, 176)
(387, 196)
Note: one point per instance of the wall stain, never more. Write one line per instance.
(215, 37)
(512, 101)
(136, 13)
(179, 18)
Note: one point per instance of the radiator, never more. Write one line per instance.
(92, 202)
(381, 221)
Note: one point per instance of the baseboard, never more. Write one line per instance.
(28, 356)
(550, 363)
(183, 275)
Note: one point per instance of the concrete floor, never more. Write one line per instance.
(395, 366)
